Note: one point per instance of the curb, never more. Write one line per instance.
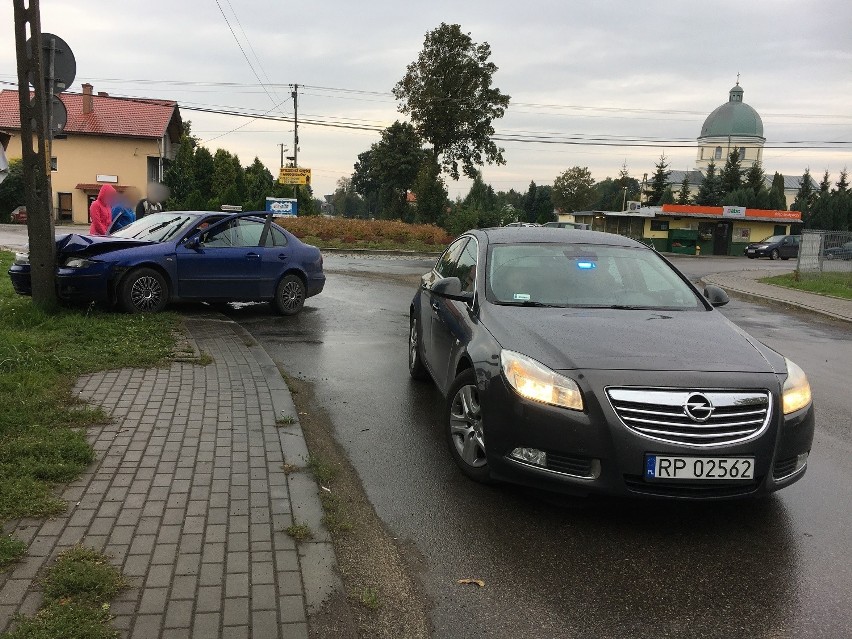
(707, 279)
(362, 251)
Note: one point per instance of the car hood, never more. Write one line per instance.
(74, 244)
(612, 339)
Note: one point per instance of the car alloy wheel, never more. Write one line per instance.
(144, 291)
(416, 368)
(465, 428)
(774, 254)
(290, 295)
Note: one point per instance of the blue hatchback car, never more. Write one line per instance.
(185, 256)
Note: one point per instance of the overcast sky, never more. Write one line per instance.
(595, 69)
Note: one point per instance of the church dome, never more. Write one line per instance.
(734, 118)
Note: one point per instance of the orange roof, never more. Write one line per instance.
(124, 117)
(718, 211)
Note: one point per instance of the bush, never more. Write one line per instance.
(347, 232)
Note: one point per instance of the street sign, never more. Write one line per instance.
(294, 175)
(64, 64)
(59, 118)
(282, 206)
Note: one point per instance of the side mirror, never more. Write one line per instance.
(450, 288)
(193, 243)
(715, 295)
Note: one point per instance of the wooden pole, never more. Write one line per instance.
(38, 195)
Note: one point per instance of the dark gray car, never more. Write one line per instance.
(585, 362)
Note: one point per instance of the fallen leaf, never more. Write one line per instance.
(478, 582)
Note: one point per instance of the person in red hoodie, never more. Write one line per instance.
(100, 212)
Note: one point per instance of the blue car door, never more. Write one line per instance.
(276, 256)
(225, 264)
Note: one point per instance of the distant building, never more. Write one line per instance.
(119, 141)
(733, 124)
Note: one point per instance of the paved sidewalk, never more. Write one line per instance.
(189, 497)
(745, 283)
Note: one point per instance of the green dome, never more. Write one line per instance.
(734, 118)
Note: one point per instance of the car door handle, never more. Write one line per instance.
(253, 256)
(282, 256)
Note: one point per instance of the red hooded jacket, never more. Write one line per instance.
(101, 211)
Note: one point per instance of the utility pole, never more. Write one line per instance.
(282, 154)
(38, 195)
(295, 95)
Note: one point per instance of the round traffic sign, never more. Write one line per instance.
(64, 64)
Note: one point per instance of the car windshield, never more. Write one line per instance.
(157, 227)
(582, 275)
(772, 240)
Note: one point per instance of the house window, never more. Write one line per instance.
(659, 225)
(742, 153)
(153, 169)
(718, 155)
(53, 164)
(702, 152)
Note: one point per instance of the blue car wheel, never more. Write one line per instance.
(290, 295)
(144, 291)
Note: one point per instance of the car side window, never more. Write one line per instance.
(235, 233)
(447, 262)
(276, 236)
(249, 232)
(466, 266)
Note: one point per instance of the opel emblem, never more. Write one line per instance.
(698, 407)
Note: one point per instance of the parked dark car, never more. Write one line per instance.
(185, 255)
(586, 363)
(566, 225)
(842, 252)
(777, 246)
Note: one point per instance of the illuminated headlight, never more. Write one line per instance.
(797, 390)
(22, 259)
(79, 262)
(534, 381)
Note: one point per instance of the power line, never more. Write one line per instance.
(243, 51)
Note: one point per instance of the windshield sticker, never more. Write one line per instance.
(521, 296)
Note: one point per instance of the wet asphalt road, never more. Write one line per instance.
(559, 567)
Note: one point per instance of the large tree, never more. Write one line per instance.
(259, 186)
(777, 198)
(12, 189)
(447, 93)
(573, 190)
(430, 193)
(659, 182)
(710, 191)
(805, 198)
(732, 173)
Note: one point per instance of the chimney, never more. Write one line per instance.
(88, 103)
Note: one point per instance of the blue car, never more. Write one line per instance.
(185, 256)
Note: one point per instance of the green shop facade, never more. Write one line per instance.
(691, 230)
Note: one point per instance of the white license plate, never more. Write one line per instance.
(751, 250)
(670, 467)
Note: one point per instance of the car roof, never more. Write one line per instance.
(561, 235)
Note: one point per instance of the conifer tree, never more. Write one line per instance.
(710, 191)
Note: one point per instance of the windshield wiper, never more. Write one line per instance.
(530, 303)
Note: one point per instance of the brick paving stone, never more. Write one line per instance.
(187, 496)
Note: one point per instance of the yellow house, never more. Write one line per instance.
(125, 142)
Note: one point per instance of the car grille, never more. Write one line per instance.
(694, 418)
(784, 467)
(637, 484)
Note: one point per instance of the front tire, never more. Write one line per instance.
(464, 427)
(144, 291)
(774, 254)
(416, 368)
(290, 295)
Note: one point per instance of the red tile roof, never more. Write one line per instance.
(125, 117)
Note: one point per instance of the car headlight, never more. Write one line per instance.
(534, 381)
(79, 262)
(22, 259)
(797, 390)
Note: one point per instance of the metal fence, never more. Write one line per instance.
(824, 252)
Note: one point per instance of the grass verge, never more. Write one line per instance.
(834, 284)
(348, 233)
(77, 594)
(42, 438)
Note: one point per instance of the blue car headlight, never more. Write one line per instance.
(79, 262)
